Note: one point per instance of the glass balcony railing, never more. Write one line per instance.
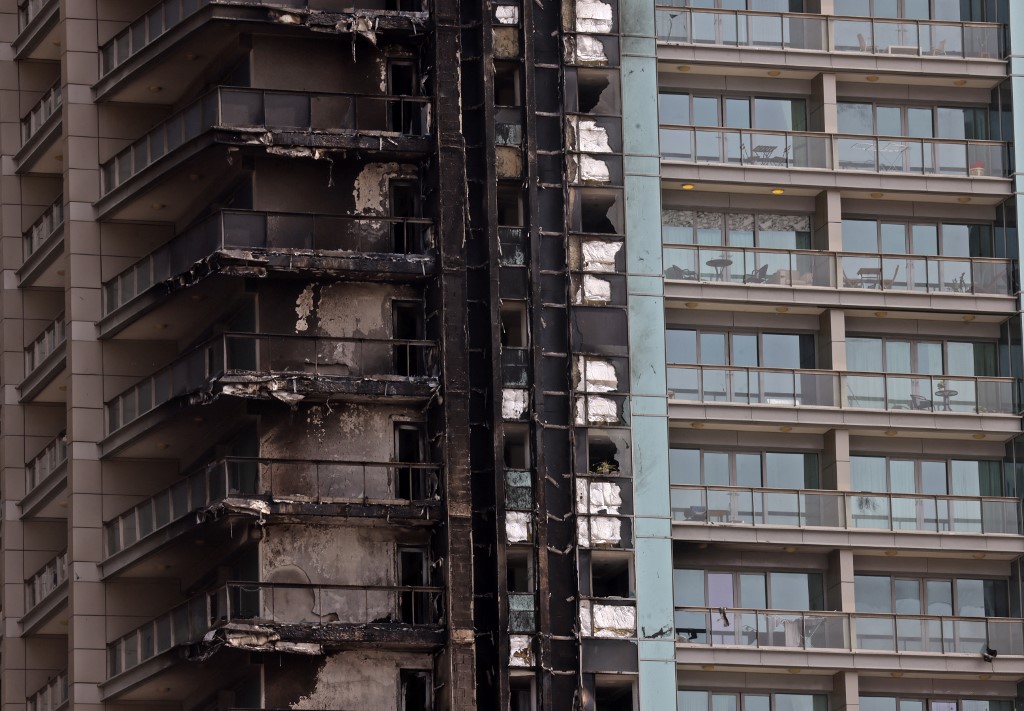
(781, 629)
(290, 480)
(889, 272)
(262, 353)
(45, 344)
(255, 108)
(44, 227)
(275, 603)
(41, 585)
(815, 33)
(46, 107)
(806, 508)
(874, 154)
(29, 10)
(817, 388)
(246, 230)
(168, 14)
(51, 697)
(52, 458)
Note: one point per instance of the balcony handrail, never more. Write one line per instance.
(840, 373)
(825, 134)
(29, 10)
(828, 38)
(49, 103)
(45, 344)
(825, 252)
(52, 696)
(45, 225)
(213, 358)
(225, 478)
(46, 580)
(207, 113)
(53, 456)
(190, 621)
(837, 613)
(212, 234)
(750, 506)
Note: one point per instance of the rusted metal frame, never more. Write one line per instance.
(454, 677)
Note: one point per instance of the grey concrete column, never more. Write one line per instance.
(828, 221)
(832, 340)
(839, 581)
(845, 692)
(835, 465)
(824, 114)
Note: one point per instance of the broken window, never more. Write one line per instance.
(517, 447)
(407, 330)
(610, 575)
(412, 483)
(506, 84)
(404, 5)
(510, 206)
(520, 695)
(417, 692)
(597, 210)
(513, 325)
(404, 203)
(593, 91)
(519, 565)
(413, 572)
(613, 694)
(404, 116)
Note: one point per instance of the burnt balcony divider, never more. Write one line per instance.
(312, 481)
(299, 611)
(265, 355)
(246, 109)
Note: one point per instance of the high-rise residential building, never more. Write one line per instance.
(441, 355)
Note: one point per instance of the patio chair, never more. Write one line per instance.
(757, 276)
(920, 402)
(887, 283)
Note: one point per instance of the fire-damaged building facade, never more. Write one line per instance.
(315, 356)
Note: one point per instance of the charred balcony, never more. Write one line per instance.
(235, 368)
(161, 46)
(253, 244)
(173, 163)
(270, 617)
(160, 533)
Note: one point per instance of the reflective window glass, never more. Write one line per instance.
(873, 593)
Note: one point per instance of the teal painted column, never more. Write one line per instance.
(649, 403)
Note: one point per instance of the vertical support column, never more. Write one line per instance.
(648, 401)
(845, 692)
(839, 580)
(832, 340)
(828, 223)
(824, 109)
(86, 599)
(835, 465)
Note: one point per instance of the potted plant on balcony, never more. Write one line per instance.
(977, 168)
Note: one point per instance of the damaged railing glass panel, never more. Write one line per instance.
(290, 480)
(53, 456)
(53, 696)
(46, 107)
(29, 10)
(44, 227)
(248, 230)
(607, 617)
(930, 393)
(814, 33)
(247, 109)
(781, 267)
(844, 510)
(52, 338)
(267, 355)
(41, 585)
(754, 386)
(881, 154)
(275, 604)
(773, 149)
(783, 629)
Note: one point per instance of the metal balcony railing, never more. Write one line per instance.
(41, 585)
(52, 338)
(44, 227)
(247, 230)
(275, 603)
(823, 151)
(29, 10)
(166, 15)
(53, 456)
(821, 388)
(241, 108)
(815, 33)
(783, 629)
(266, 354)
(51, 697)
(288, 479)
(46, 107)
(846, 270)
(804, 508)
